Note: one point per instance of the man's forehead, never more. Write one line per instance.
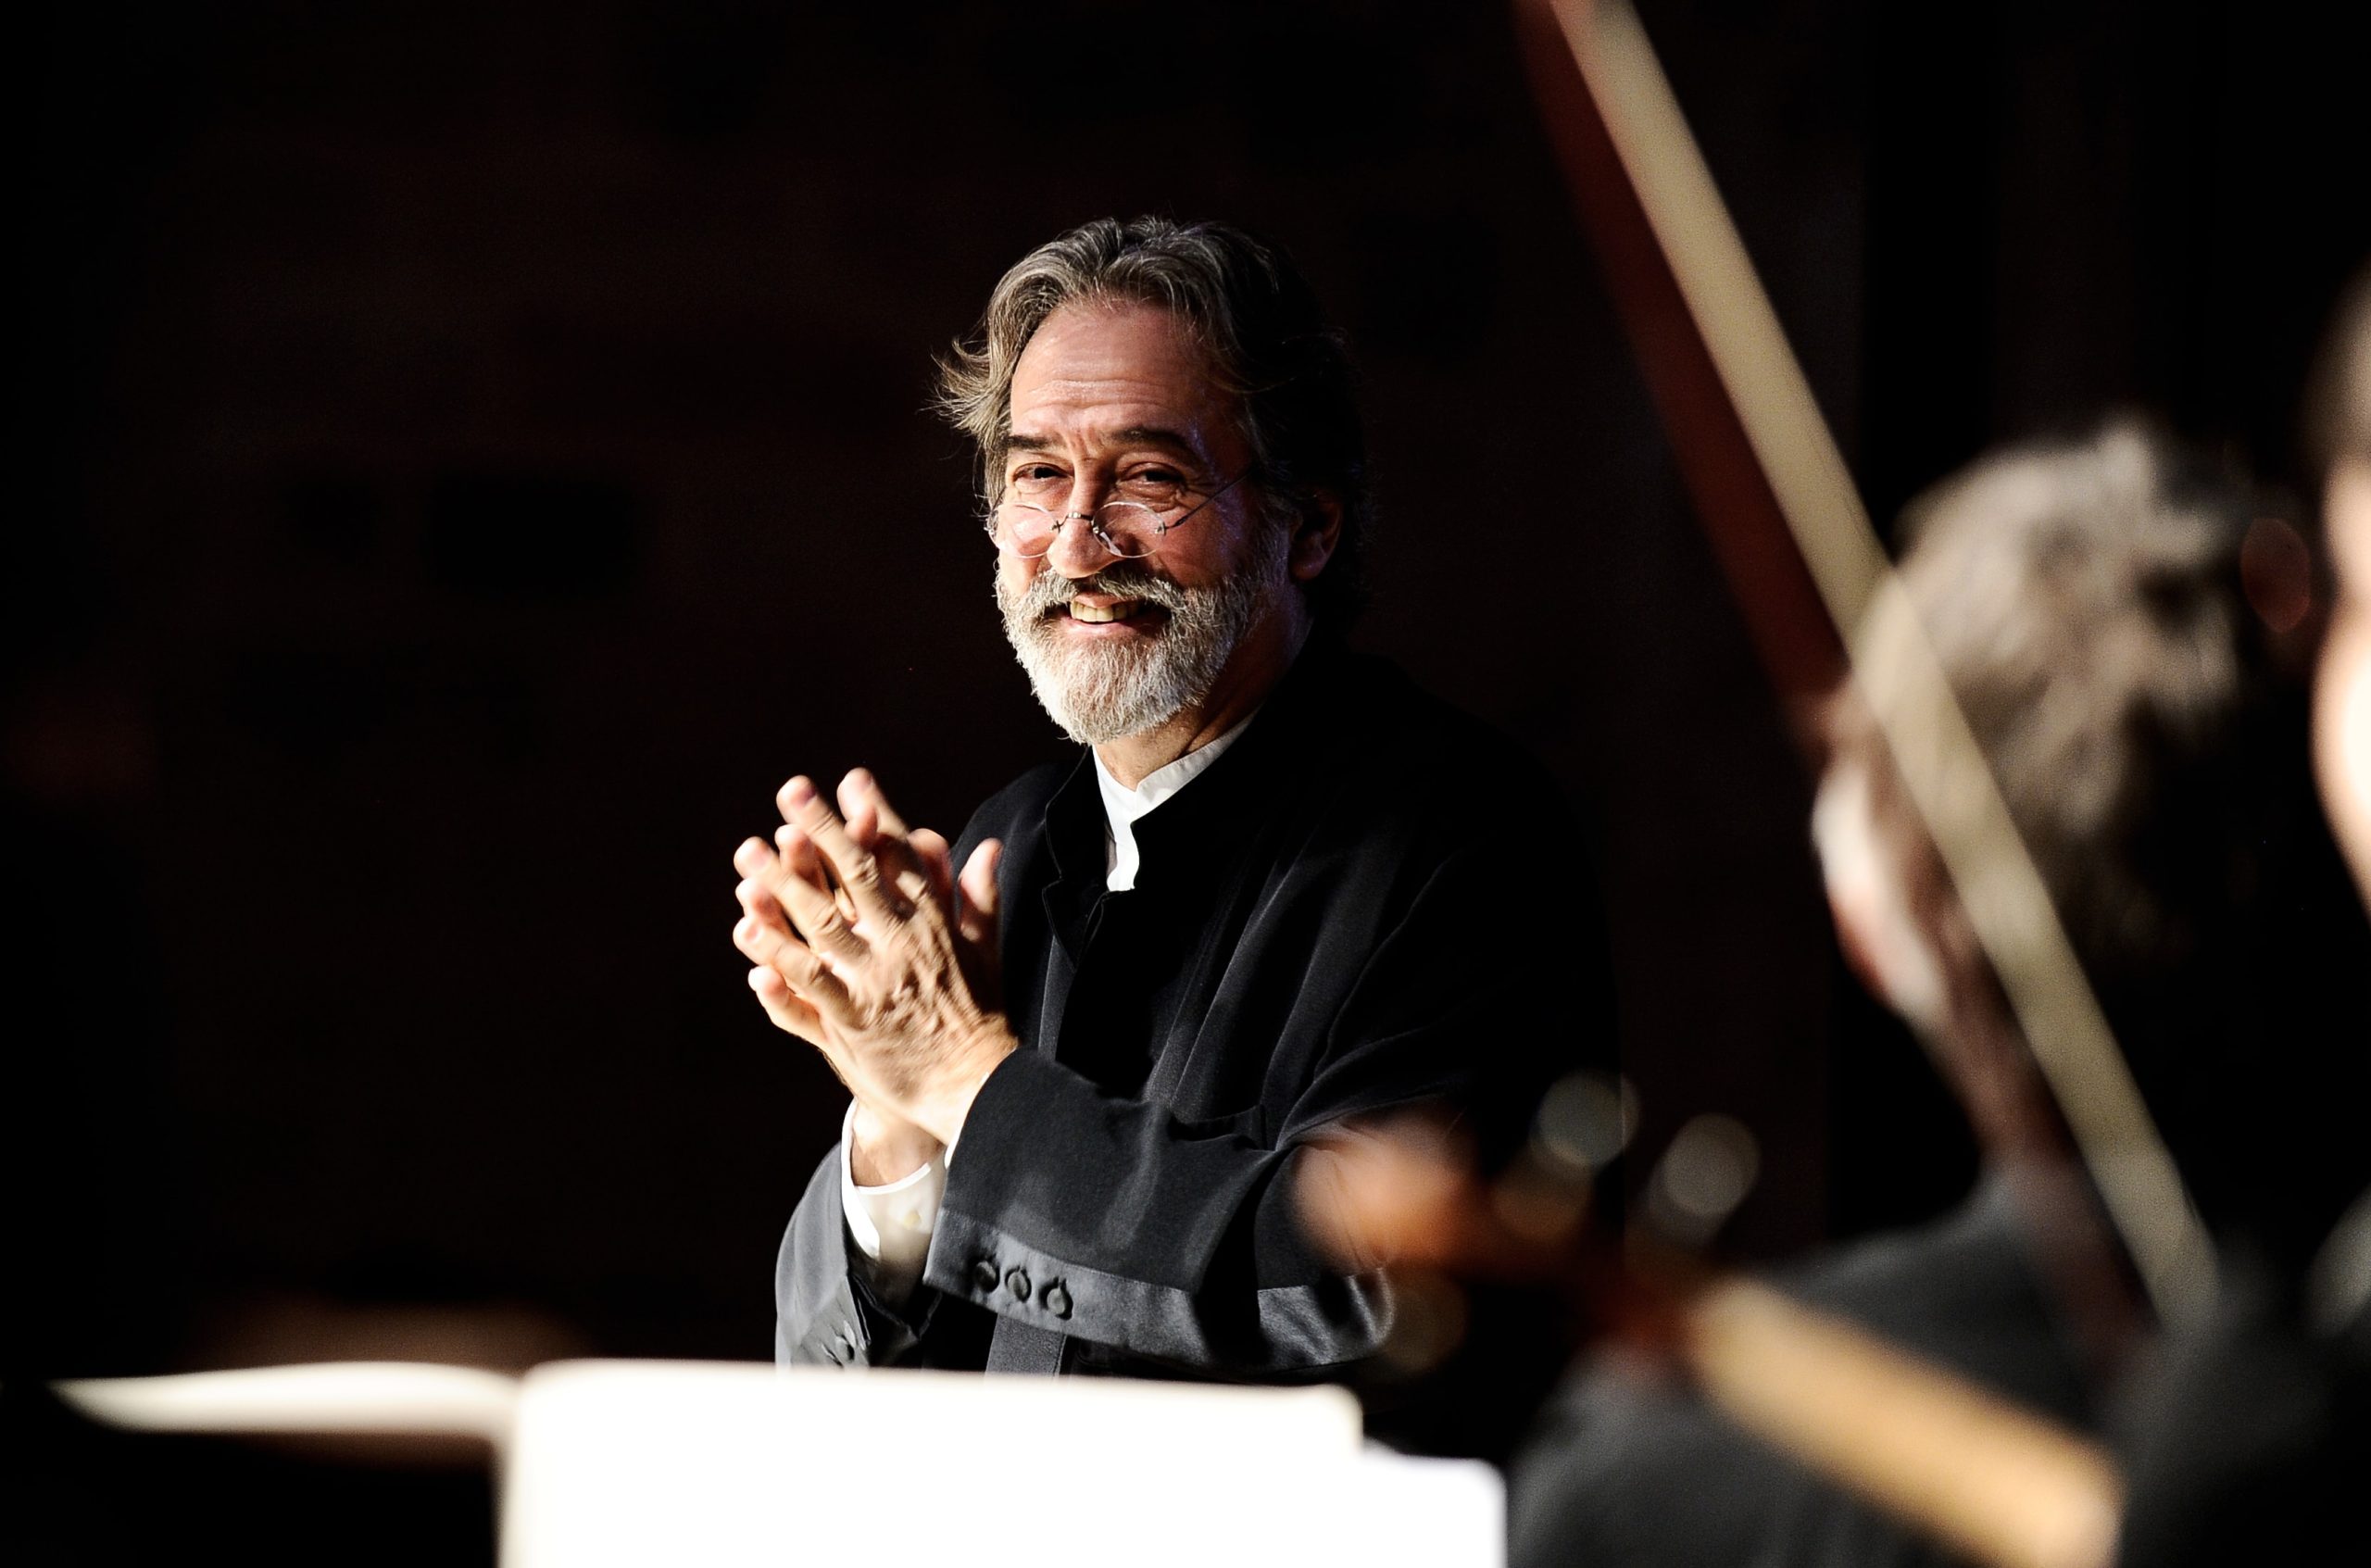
(1181, 441)
(1112, 336)
(1115, 374)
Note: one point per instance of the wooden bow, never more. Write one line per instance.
(1791, 536)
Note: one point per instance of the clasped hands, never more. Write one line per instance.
(870, 946)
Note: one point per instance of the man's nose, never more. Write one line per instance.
(1078, 550)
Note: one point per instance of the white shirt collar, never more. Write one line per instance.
(1123, 806)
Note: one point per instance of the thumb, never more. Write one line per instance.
(976, 909)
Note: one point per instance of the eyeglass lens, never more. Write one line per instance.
(1124, 528)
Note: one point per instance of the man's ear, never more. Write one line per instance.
(1314, 536)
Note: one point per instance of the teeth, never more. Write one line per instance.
(1095, 615)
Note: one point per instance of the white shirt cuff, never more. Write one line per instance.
(891, 1224)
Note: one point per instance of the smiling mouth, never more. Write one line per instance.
(1098, 615)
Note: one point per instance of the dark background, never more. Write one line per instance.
(472, 455)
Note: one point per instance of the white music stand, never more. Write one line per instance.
(705, 1464)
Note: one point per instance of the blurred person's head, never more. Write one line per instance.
(2087, 605)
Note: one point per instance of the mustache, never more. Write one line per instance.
(1048, 590)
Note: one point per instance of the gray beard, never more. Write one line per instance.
(1099, 694)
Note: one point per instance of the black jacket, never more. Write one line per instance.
(1370, 901)
(1626, 1474)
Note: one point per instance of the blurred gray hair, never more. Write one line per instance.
(2087, 605)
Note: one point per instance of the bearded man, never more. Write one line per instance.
(1282, 891)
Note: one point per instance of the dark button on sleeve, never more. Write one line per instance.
(1055, 1300)
(984, 1276)
(1018, 1283)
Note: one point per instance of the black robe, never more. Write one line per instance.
(1370, 902)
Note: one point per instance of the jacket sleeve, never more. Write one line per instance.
(824, 1310)
(1111, 1221)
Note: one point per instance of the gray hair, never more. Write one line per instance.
(1268, 347)
(2087, 605)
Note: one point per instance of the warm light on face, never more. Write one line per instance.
(1873, 920)
(2343, 686)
